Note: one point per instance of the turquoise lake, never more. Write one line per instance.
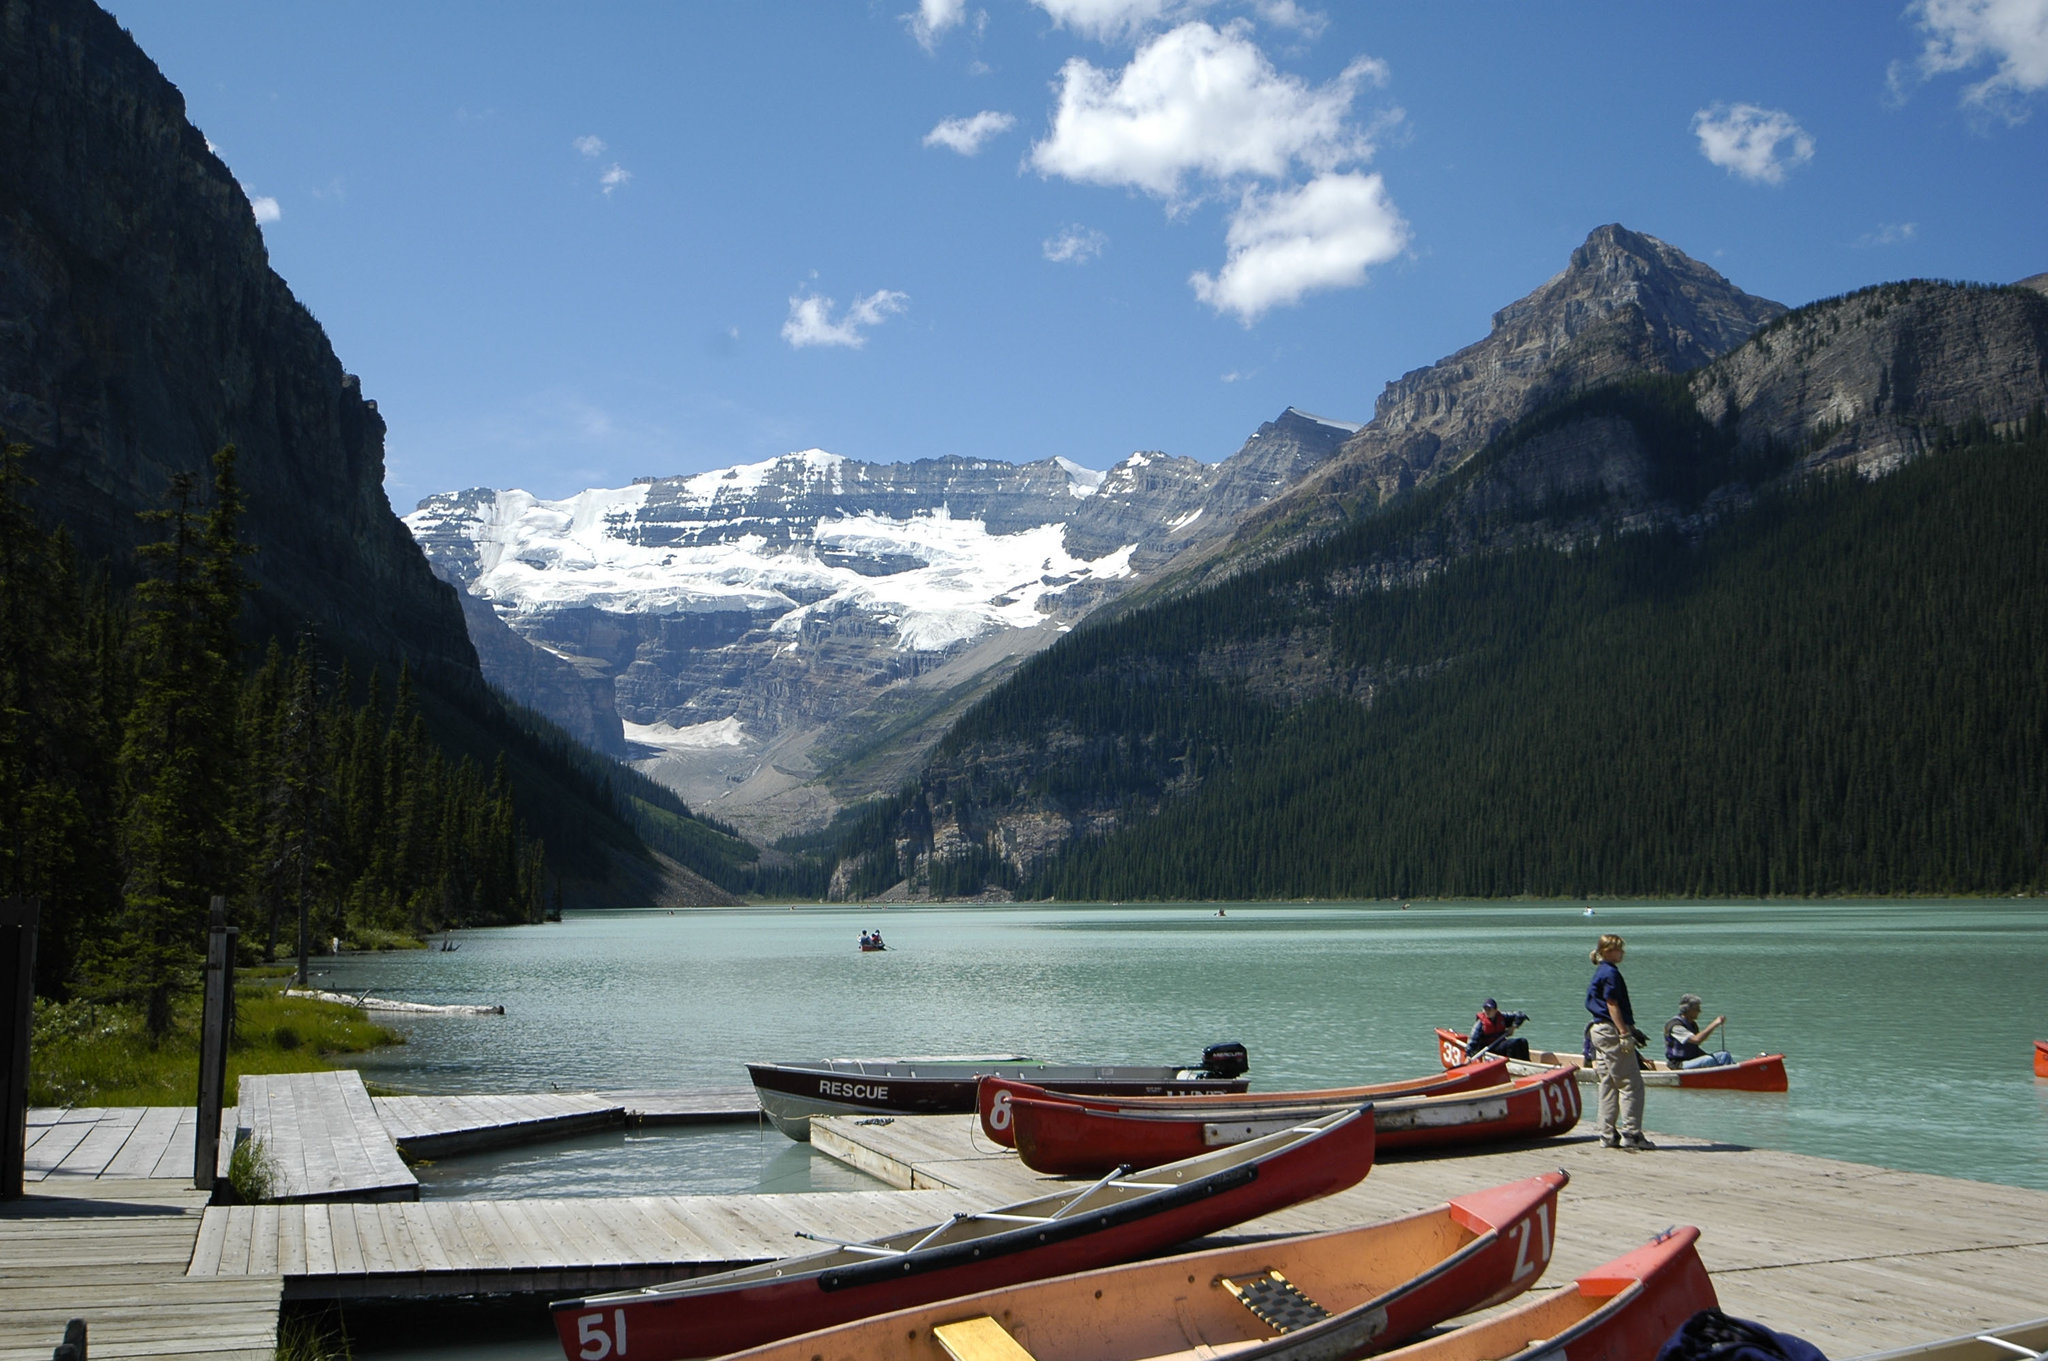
(1906, 1027)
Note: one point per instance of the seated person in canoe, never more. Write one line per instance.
(1495, 1034)
(1684, 1037)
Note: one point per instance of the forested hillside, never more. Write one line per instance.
(1829, 685)
(1838, 692)
(148, 762)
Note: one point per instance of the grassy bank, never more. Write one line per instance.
(91, 1054)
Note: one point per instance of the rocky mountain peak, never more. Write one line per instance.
(1688, 306)
(1625, 303)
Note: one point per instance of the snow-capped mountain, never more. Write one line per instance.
(747, 631)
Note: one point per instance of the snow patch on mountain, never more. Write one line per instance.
(936, 580)
(724, 732)
(1081, 481)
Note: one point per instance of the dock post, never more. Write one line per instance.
(18, 919)
(218, 1014)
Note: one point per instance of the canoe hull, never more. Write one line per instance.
(792, 1093)
(2041, 1058)
(1381, 1283)
(993, 1098)
(718, 1314)
(1084, 1136)
(1623, 1311)
(1764, 1073)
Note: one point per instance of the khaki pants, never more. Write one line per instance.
(1621, 1084)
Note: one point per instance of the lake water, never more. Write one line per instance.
(1906, 1027)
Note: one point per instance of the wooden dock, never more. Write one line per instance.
(559, 1247)
(1853, 1258)
(115, 1251)
(113, 1141)
(323, 1137)
(696, 1106)
(442, 1126)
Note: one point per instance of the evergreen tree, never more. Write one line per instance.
(178, 761)
(55, 757)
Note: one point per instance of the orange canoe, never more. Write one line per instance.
(996, 1093)
(1624, 1311)
(1764, 1073)
(2041, 1058)
(1346, 1293)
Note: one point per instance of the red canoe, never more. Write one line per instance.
(1624, 1311)
(1085, 1136)
(1078, 1228)
(2041, 1058)
(993, 1097)
(1764, 1073)
(1351, 1291)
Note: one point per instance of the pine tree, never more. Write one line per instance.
(55, 753)
(178, 759)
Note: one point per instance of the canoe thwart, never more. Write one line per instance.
(980, 1339)
(1275, 1300)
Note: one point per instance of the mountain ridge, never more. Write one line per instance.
(1132, 716)
(755, 627)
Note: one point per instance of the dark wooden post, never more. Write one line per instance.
(217, 1021)
(18, 918)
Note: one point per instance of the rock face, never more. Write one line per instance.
(1871, 379)
(1627, 303)
(783, 636)
(141, 328)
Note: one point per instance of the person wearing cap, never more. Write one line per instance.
(1495, 1034)
(1615, 1041)
(1684, 1037)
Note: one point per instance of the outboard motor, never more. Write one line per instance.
(1223, 1061)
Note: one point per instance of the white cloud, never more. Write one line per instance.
(2013, 34)
(1756, 143)
(1890, 234)
(933, 18)
(1110, 20)
(1075, 245)
(810, 318)
(1287, 14)
(590, 145)
(1292, 242)
(265, 207)
(969, 135)
(1199, 102)
(614, 176)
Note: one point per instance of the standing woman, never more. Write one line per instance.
(1614, 1050)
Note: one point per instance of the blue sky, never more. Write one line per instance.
(566, 246)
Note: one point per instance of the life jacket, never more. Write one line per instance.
(1677, 1051)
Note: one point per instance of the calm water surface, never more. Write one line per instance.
(1906, 1028)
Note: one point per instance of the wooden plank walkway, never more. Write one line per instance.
(323, 1136)
(1853, 1258)
(441, 1126)
(115, 1141)
(695, 1106)
(562, 1247)
(115, 1252)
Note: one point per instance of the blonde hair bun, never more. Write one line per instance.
(1607, 942)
